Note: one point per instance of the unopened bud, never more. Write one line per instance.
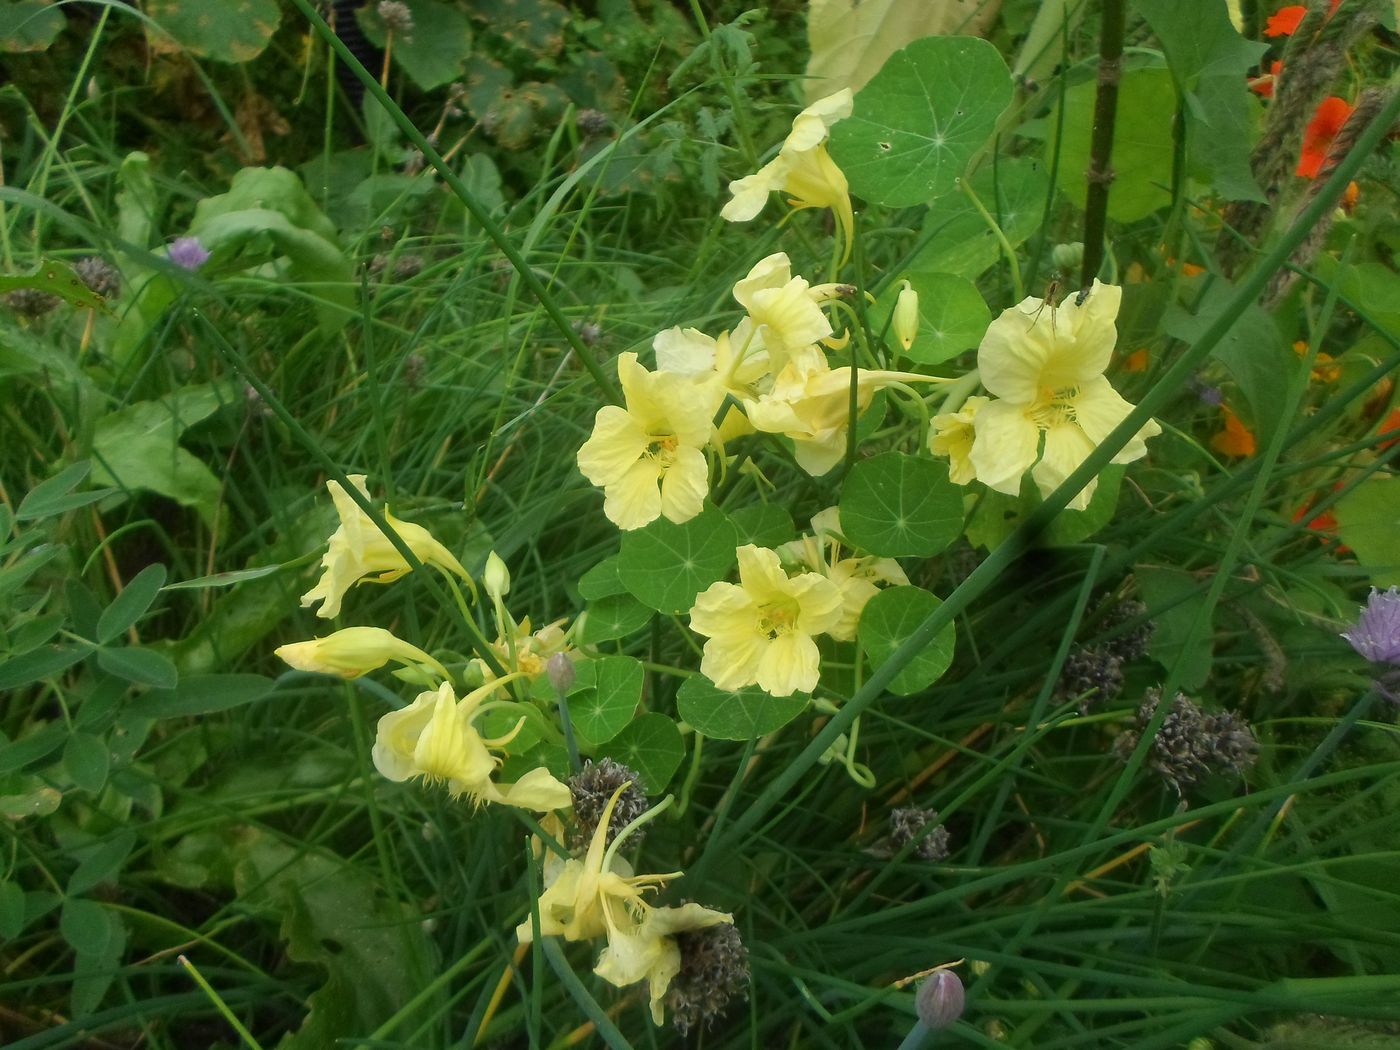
(940, 1000)
(906, 316)
(561, 673)
(1068, 257)
(496, 577)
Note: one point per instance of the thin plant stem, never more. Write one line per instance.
(1100, 173)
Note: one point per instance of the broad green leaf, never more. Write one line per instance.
(94, 972)
(615, 616)
(30, 634)
(1175, 600)
(29, 25)
(1222, 116)
(1142, 147)
(919, 122)
(138, 447)
(1199, 40)
(227, 31)
(959, 241)
(887, 621)
(651, 744)
(763, 525)
(223, 579)
(85, 925)
(87, 760)
(746, 714)
(953, 316)
(849, 40)
(56, 495)
(58, 279)
(11, 910)
(604, 697)
(897, 506)
(37, 803)
(39, 744)
(1253, 350)
(138, 203)
(435, 51)
(131, 604)
(602, 580)
(666, 565)
(101, 863)
(203, 694)
(996, 515)
(38, 663)
(1368, 521)
(273, 189)
(141, 666)
(12, 577)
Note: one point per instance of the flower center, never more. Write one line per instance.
(1054, 407)
(662, 448)
(777, 618)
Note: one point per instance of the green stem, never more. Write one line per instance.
(218, 1002)
(1018, 289)
(1100, 173)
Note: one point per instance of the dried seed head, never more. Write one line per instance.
(30, 302)
(593, 786)
(1092, 673)
(1190, 744)
(398, 19)
(940, 1000)
(407, 267)
(592, 121)
(589, 332)
(714, 972)
(1130, 644)
(907, 825)
(99, 275)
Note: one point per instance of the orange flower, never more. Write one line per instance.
(1136, 361)
(1391, 425)
(1322, 130)
(1285, 21)
(1263, 84)
(1325, 368)
(1325, 524)
(1236, 439)
(1350, 196)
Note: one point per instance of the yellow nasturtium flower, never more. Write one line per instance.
(435, 738)
(648, 457)
(813, 407)
(785, 316)
(762, 630)
(358, 551)
(952, 435)
(857, 577)
(802, 169)
(1045, 366)
(599, 896)
(354, 651)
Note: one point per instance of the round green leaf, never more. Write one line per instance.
(891, 617)
(229, 31)
(953, 316)
(434, 52)
(604, 697)
(899, 506)
(1368, 520)
(615, 616)
(666, 565)
(29, 25)
(87, 759)
(741, 715)
(920, 120)
(998, 515)
(652, 746)
(763, 525)
(958, 240)
(601, 580)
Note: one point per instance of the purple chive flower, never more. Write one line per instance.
(1211, 395)
(187, 253)
(1376, 635)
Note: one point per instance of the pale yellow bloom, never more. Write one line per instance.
(354, 651)
(785, 318)
(762, 630)
(735, 369)
(858, 577)
(358, 550)
(529, 653)
(435, 738)
(813, 407)
(952, 436)
(906, 316)
(1045, 366)
(648, 458)
(802, 169)
(599, 896)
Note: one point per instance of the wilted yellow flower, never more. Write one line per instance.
(906, 316)
(802, 169)
(354, 651)
(434, 738)
(857, 577)
(527, 652)
(952, 436)
(762, 630)
(358, 550)
(813, 407)
(598, 896)
(1045, 365)
(648, 457)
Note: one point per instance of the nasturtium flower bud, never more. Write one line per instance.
(354, 651)
(496, 576)
(561, 672)
(906, 316)
(940, 1000)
